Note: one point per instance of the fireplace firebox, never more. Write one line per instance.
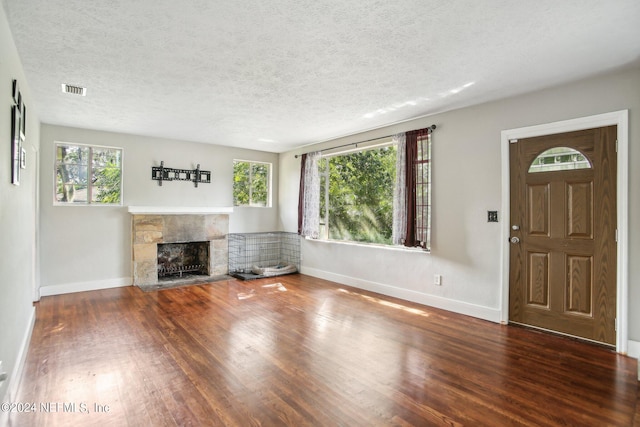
(180, 259)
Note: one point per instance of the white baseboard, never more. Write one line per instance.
(18, 368)
(481, 312)
(85, 286)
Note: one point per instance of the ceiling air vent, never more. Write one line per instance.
(74, 90)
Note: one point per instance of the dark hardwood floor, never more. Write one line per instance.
(297, 351)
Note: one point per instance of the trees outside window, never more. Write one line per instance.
(88, 175)
(379, 193)
(251, 183)
(356, 195)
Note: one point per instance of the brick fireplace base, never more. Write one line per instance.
(150, 229)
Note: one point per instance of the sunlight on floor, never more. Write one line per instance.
(271, 288)
(388, 303)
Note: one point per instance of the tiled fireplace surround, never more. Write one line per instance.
(150, 228)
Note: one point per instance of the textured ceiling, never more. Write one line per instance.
(279, 74)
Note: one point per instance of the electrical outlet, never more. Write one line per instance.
(437, 279)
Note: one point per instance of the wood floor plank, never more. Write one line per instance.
(300, 351)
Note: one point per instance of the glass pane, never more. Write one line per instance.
(72, 154)
(103, 157)
(106, 177)
(72, 171)
(259, 184)
(240, 183)
(423, 193)
(71, 183)
(106, 185)
(360, 188)
(559, 159)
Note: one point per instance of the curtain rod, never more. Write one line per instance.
(431, 129)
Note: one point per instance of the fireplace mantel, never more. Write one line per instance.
(178, 210)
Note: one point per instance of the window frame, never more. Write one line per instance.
(423, 220)
(89, 201)
(269, 203)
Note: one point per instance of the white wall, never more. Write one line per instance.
(467, 183)
(17, 221)
(89, 247)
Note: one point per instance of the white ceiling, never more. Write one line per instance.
(273, 75)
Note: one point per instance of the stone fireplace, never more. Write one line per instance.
(171, 242)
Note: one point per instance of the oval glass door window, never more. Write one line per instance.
(559, 159)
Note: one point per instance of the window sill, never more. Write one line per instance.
(371, 245)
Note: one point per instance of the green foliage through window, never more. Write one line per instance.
(251, 183)
(88, 175)
(356, 195)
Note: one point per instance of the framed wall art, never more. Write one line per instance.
(18, 131)
(15, 93)
(16, 144)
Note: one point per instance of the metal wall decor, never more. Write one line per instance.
(18, 130)
(161, 173)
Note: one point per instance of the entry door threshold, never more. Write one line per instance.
(562, 334)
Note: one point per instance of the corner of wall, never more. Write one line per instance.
(634, 351)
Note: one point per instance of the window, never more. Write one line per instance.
(422, 164)
(251, 183)
(559, 158)
(356, 194)
(88, 175)
(376, 194)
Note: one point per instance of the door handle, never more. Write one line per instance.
(514, 240)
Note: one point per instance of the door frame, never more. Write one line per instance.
(620, 119)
